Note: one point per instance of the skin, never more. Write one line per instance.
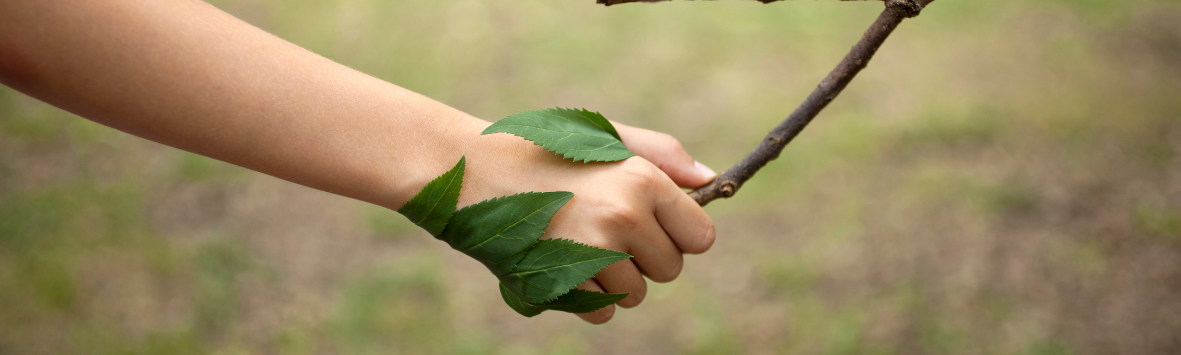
(185, 74)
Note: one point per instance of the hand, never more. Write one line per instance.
(188, 75)
(635, 206)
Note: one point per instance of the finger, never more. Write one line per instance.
(603, 314)
(685, 222)
(668, 154)
(623, 277)
(655, 254)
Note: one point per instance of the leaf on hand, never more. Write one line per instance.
(577, 301)
(504, 233)
(433, 206)
(522, 307)
(497, 232)
(554, 267)
(575, 134)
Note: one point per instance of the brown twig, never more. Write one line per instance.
(858, 58)
(616, 2)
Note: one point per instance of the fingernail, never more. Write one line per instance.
(676, 271)
(705, 171)
(710, 236)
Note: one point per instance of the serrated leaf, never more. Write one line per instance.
(575, 134)
(433, 206)
(579, 301)
(553, 267)
(576, 301)
(497, 232)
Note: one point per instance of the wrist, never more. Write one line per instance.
(416, 158)
(496, 165)
(492, 161)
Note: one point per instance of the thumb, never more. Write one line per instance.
(666, 153)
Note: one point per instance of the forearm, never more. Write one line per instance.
(182, 73)
(185, 74)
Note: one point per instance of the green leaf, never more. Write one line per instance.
(577, 301)
(497, 232)
(554, 267)
(432, 207)
(522, 307)
(575, 134)
(504, 233)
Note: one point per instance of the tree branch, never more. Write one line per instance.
(616, 2)
(858, 58)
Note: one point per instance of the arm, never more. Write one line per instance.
(185, 74)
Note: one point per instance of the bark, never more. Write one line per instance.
(615, 2)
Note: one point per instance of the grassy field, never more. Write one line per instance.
(1003, 179)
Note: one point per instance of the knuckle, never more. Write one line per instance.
(625, 216)
(644, 176)
(671, 143)
(671, 148)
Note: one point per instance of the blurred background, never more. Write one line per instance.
(1003, 179)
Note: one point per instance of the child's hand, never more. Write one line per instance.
(190, 76)
(634, 206)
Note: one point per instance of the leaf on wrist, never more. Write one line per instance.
(554, 267)
(433, 206)
(580, 135)
(577, 301)
(497, 232)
